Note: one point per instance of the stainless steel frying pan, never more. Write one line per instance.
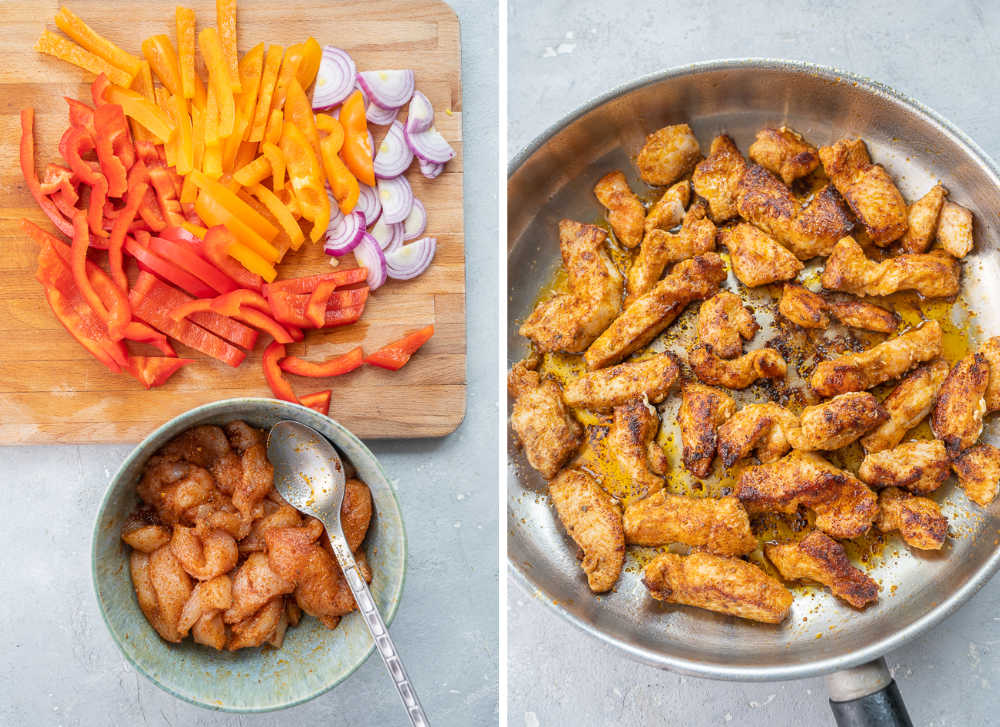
(553, 178)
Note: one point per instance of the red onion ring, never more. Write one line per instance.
(369, 255)
(389, 89)
(411, 260)
(334, 79)
(394, 154)
(396, 197)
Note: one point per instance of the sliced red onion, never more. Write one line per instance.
(388, 236)
(371, 143)
(420, 115)
(369, 255)
(430, 169)
(345, 234)
(396, 197)
(380, 116)
(368, 203)
(394, 154)
(334, 80)
(416, 221)
(411, 260)
(430, 146)
(389, 89)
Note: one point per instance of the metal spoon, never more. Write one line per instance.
(308, 473)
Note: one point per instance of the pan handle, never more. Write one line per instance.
(866, 696)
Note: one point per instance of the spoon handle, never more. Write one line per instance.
(373, 619)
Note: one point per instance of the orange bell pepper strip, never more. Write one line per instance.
(335, 366)
(184, 148)
(256, 221)
(217, 243)
(211, 118)
(269, 76)
(119, 314)
(143, 83)
(225, 20)
(214, 213)
(245, 154)
(219, 78)
(195, 230)
(184, 18)
(289, 70)
(212, 163)
(343, 184)
(298, 110)
(276, 160)
(94, 42)
(312, 54)
(229, 304)
(316, 307)
(27, 159)
(135, 106)
(275, 126)
(251, 66)
(394, 355)
(66, 50)
(277, 208)
(159, 52)
(320, 401)
(356, 152)
(155, 370)
(306, 179)
(272, 373)
(253, 173)
(197, 145)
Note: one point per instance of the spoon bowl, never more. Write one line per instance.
(308, 472)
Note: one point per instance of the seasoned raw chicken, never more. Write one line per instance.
(544, 427)
(703, 409)
(759, 427)
(170, 586)
(856, 313)
(867, 188)
(641, 459)
(803, 307)
(607, 388)
(718, 525)
(907, 405)
(978, 472)
(878, 364)
(933, 275)
(652, 312)
(954, 230)
(837, 422)
(717, 583)
(991, 352)
(202, 613)
(254, 584)
(918, 519)
(668, 211)
(957, 419)
(668, 155)
(757, 259)
(204, 553)
(920, 466)
(716, 178)
(571, 321)
(626, 215)
(922, 220)
(736, 373)
(844, 506)
(784, 152)
(724, 323)
(817, 228)
(818, 557)
(261, 627)
(594, 522)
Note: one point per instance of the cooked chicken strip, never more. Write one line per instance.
(571, 321)
(867, 188)
(736, 373)
(907, 405)
(784, 152)
(922, 220)
(954, 230)
(716, 178)
(607, 388)
(991, 352)
(668, 211)
(920, 466)
(717, 583)
(918, 519)
(765, 201)
(844, 506)
(978, 472)
(759, 427)
(836, 423)
(803, 307)
(626, 215)
(719, 525)
(648, 315)
(856, 313)
(543, 426)
(957, 419)
(933, 275)
(641, 459)
(757, 259)
(724, 323)
(817, 228)
(703, 409)
(594, 522)
(818, 557)
(668, 155)
(880, 363)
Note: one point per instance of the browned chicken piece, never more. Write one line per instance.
(668, 211)
(641, 459)
(844, 506)
(703, 409)
(784, 152)
(954, 230)
(544, 427)
(920, 466)
(571, 321)
(933, 275)
(254, 584)
(668, 155)
(719, 525)
(757, 259)
(765, 201)
(907, 405)
(803, 307)
(716, 178)
(759, 427)
(648, 315)
(978, 472)
(918, 519)
(626, 215)
(607, 388)
(922, 220)
(957, 419)
(991, 352)
(817, 228)
(717, 583)
(878, 364)
(736, 373)
(818, 557)
(838, 422)
(856, 313)
(594, 522)
(867, 188)
(724, 323)
(259, 628)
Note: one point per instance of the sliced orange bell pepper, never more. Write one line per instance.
(277, 208)
(275, 126)
(257, 222)
(289, 70)
(213, 213)
(142, 110)
(256, 171)
(276, 158)
(250, 69)
(94, 42)
(269, 75)
(357, 152)
(312, 54)
(245, 154)
(200, 93)
(67, 50)
(184, 149)
(225, 20)
(162, 57)
(394, 355)
(343, 184)
(185, 49)
(217, 243)
(143, 83)
(195, 230)
(306, 179)
(219, 79)
(298, 110)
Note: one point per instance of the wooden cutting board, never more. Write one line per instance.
(51, 390)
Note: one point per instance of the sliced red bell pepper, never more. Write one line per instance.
(264, 322)
(397, 353)
(216, 247)
(165, 269)
(142, 333)
(82, 115)
(185, 257)
(155, 370)
(320, 401)
(99, 88)
(116, 315)
(76, 141)
(59, 179)
(150, 212)
(166, 195)
(308, 284)
(119, 230)
(190, 307)
(272, 372)
(64, 204)
(293, 309)
(146, 152)
(316, 305)
(27, 157)
(331, 367)
(343, 316)
(114, 146)
(229, 304)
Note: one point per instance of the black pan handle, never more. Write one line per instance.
(866, 696)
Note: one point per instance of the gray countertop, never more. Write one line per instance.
(562, 54)
(60, 666)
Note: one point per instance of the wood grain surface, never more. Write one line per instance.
(51, 390)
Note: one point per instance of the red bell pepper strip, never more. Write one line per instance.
(155, 370)
(320, 401)
(184, 256)
(27, 154)
(111, 133)
(165, 269)
(316, 305)
(342, 316)
(82, 115)
(98, 88)
(64, 204)
(186, 309)
(229, 304)
(264, 322)
(397, 353)
(145, 150)
(59, 179)
(293, 309)
(308, 284)
(272, 372)
(216, 247)
(118, 314)
(76, 141)
(166, 195)
(142, 333)
(331, 367)
(119, 230)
